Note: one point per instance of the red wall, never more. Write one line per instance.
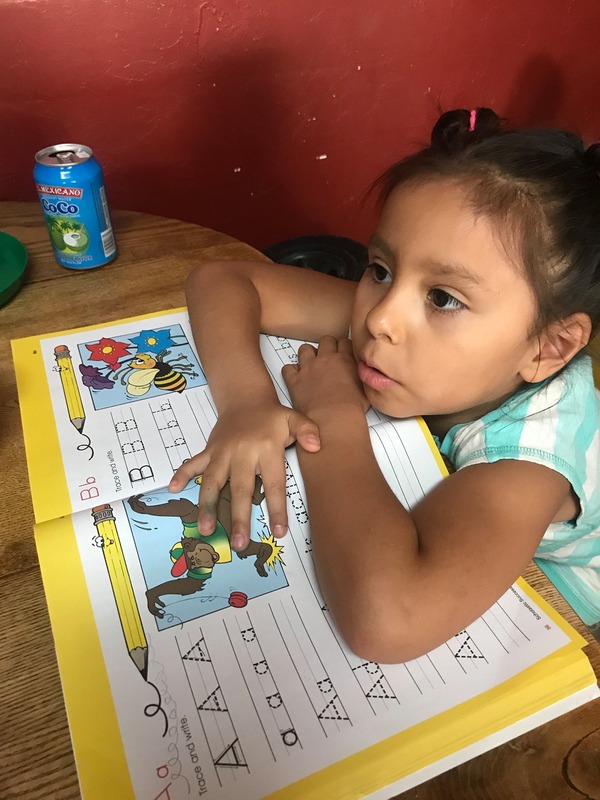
(270, 122)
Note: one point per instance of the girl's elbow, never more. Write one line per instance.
(197, 274)
(206, 278)
(391, 637)
(389, 648)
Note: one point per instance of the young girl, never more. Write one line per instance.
(482, 290)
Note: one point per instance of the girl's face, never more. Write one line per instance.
(442, 317)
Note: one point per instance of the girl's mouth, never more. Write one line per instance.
(373, 378)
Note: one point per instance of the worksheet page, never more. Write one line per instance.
(228, 676)
(240, 684)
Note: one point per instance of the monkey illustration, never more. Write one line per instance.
(196, 554)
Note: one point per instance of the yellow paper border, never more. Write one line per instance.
(432, 446)
(99, 753)
(434, 739)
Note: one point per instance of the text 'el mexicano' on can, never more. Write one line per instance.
(70, 186)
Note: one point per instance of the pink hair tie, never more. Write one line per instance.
(472, 120)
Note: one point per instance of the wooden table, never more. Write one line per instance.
(559, 760)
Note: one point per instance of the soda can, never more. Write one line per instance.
(70, 186)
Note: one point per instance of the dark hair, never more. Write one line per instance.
(541, 186)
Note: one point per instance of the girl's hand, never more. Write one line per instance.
(247, 441)
(325, 378)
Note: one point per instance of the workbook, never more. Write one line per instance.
(190, 670)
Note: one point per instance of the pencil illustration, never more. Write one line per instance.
(127, 608)
(73, 400)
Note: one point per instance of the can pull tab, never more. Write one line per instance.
(66, 157)
(70, 156)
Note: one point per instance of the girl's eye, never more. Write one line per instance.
(378, 272)
(442, 301)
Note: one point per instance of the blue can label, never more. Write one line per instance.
(78, 219)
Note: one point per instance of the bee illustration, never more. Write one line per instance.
(145, 370)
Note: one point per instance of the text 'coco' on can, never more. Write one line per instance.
(72, 194)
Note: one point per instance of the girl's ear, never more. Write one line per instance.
(556, 345)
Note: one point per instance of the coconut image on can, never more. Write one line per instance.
(68, 235)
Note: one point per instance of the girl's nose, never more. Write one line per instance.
(384, 320)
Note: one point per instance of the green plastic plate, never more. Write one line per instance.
(13, 260)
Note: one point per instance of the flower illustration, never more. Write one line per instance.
(109, 351)
(153, 341)
(92, 377)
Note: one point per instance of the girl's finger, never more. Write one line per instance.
(241, 486)
(306, 352)
(273, 479)
(211, 486)
(345, 346)
(289, 372)
(328, 344)
(305, 432)
(188, 470)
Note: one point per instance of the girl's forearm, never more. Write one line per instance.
(225, 313)
(365, 544)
